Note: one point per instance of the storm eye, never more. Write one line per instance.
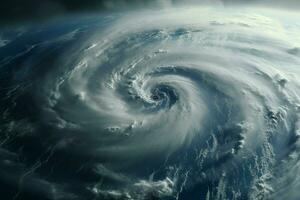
(155, 97)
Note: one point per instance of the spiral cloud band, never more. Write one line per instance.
(181, 103)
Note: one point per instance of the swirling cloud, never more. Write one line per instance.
(170, 104)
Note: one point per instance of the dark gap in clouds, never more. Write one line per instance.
(25, 10)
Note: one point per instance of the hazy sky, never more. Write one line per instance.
(19, 10)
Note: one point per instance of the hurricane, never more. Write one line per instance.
(180, 103)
